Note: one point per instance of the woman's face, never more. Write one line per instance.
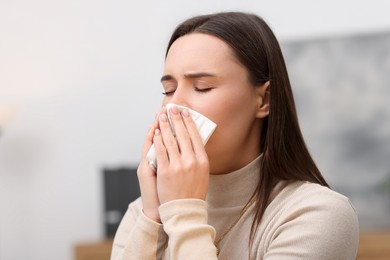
(202, 73)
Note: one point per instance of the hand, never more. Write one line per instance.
(147, 179)
(183, 166)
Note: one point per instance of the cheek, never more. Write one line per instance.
(233, 118)
(232, 108)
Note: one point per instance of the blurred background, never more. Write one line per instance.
(79, 87)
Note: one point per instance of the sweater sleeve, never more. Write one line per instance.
(316, 224)
(138, 237)
(185, 222)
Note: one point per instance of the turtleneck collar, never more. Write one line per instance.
(235, 188)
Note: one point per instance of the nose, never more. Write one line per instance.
(179, 97)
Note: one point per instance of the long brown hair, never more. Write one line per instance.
(285, 155)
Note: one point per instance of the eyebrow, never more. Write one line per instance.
(189, 75)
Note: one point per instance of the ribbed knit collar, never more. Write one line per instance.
(235, 188)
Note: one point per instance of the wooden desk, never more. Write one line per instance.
(93, 251)
(372, 246)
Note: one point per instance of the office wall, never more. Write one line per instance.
(82, 80)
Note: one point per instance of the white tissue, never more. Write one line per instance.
(204, 125)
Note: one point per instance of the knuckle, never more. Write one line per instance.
(162, 173)
(165, 171)
(189, 163)
(204, 163)
(176, 168)
(186, 137)
(139, 172)
(171, 142)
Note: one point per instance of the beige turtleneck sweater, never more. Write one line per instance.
(302, 221)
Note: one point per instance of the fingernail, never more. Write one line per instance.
(174, 110)
(157, 132)
(185, 113)
(163, 117)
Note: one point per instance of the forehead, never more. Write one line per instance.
(198, 51)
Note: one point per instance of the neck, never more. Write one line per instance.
(235, 188)
(231, 164)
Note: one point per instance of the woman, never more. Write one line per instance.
(253, 191)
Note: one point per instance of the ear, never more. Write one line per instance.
(263, 98)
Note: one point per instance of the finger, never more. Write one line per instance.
(167, 136)
(148, 189)
(161, 152)
(149, 136)
(182, 136)
(193, 132)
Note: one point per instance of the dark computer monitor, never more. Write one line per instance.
(120, 188)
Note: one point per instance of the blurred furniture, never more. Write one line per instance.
(372, 246)
(120, 188)
(93, 251)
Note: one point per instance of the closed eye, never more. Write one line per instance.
(168, 93)
(202, 90)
